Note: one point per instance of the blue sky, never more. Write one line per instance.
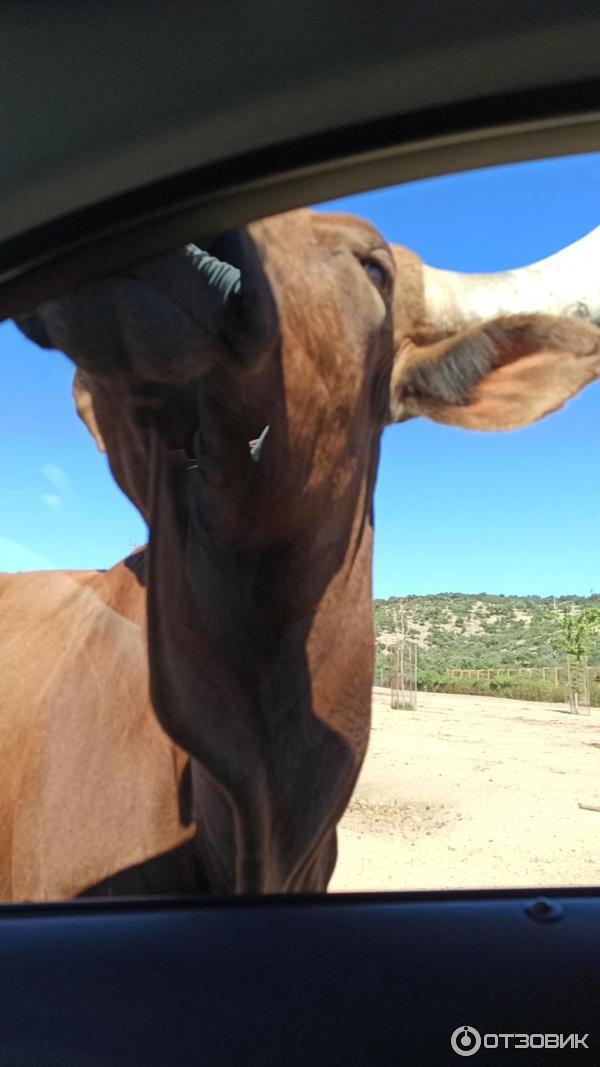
(455, 511)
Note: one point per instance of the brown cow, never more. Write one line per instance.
(255, 590)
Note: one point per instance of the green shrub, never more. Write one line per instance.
(511, 688)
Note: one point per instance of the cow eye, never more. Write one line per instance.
(378, 274)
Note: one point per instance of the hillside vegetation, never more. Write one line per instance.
(456, 630)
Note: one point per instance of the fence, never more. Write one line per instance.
(404, 673)
(557, 675)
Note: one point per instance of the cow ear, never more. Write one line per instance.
(85, 406)
(499, 376)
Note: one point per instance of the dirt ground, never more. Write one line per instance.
(470, 792)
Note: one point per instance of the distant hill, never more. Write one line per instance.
(476, 631)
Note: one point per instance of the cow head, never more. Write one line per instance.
(259, 575)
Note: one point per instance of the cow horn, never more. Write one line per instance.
(566, 284)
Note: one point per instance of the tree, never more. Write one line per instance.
(576, 632)
(574, 636)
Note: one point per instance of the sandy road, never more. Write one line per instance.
(471, 792)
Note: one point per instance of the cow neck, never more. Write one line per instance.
(259, 655)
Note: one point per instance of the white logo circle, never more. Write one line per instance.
(466, 1041)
